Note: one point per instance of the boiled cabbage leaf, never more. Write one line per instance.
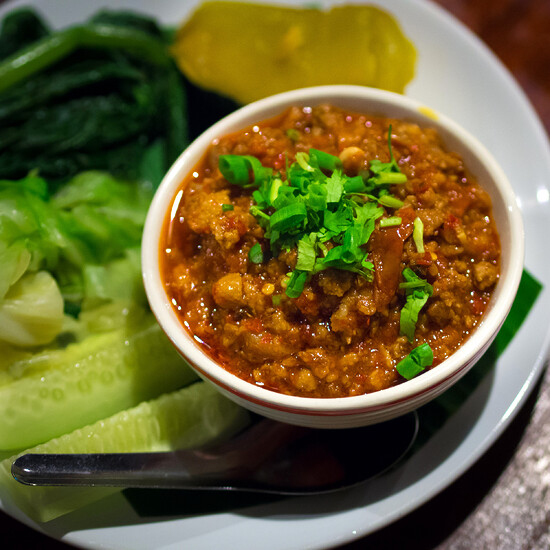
(31, 313)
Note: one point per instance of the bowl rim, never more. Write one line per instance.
(452, 368)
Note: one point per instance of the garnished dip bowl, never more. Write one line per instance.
(333, 256)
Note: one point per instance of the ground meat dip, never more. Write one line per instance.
(341, 336)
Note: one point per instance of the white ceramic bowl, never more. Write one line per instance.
(388, 403)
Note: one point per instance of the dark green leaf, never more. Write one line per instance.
(296, 283)
(306, 254)
(20, 28)
(335, 187)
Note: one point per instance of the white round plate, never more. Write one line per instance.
(457, 75)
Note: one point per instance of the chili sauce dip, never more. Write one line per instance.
(327, 253)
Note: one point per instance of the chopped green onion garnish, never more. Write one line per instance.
(293, 134)
(418, 235)
(355, 185)
(389, 178)
(319, 210)
(417, 360)
(227, 207)
(386, 173)
(255, 254)
(243, 170)
(274, 189)
(392, 160)
(324, 161)
(390, 201)
(390, 222)
(303, 160)
(288, 217)
(417, 291)
(257, 213)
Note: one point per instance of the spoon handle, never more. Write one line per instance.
(114, 470)
(227, 465)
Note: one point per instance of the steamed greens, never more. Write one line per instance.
(101, 95)
(90, 119)
(88, 229)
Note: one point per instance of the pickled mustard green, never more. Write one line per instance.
(249, 51)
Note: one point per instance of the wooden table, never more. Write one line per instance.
(503, 501)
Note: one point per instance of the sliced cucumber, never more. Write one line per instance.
(52, 359)
(102, 381)
(189, 417)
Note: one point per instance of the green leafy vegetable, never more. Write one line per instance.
(97, 95)
(82, 235)
(306, 253)
(419, 358)
(31, 313)
(417, 291)
(78, 342)
(20, 28)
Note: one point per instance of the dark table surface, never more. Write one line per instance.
(503, 501)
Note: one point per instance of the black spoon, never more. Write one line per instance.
(267, 457)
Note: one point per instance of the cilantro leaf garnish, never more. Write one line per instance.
(335, 187)
(306, 253)
(255, 254)
(319, 210)
(296, 284)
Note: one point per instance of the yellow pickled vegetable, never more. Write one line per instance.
(249, 51)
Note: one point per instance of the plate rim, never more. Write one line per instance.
(536, 370)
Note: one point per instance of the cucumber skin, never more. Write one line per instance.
(135, 368)
(190, 417)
